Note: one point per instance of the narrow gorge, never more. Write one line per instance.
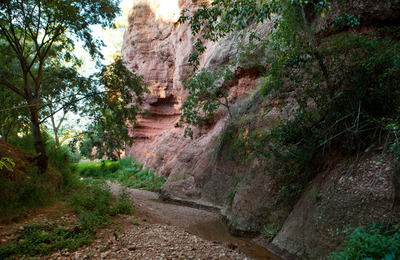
(348, 190)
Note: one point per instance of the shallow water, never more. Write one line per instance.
(217, 231)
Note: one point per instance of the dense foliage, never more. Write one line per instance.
(344, 85)
(371, 242)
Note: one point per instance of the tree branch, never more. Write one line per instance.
(14, 88)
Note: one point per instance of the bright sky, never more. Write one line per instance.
(111, 37)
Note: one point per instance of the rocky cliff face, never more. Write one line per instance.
(158, 48)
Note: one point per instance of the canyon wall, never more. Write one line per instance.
(156, 46)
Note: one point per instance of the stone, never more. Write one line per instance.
(105, 254)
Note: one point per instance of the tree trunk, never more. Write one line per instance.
(5, 132)
(314, 49)
(42, 160)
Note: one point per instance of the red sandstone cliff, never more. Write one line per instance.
(158, 48)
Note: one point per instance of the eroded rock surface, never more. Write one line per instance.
(158, 48)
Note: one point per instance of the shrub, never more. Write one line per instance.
(123, 205)
(92, 204)
(371, 242)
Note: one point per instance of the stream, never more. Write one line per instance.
(218, 231)
(205, 224)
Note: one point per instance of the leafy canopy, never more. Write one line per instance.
(289, 38)
(35, 30)
(114, 111)
(205, 95)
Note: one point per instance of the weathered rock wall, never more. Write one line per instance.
(340, 196)
(158, 48)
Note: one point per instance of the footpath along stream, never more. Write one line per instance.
(201, 224)
(160, 230)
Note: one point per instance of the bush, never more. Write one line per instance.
(123, 205)
(92, 204)
(18, 196)
(371, 242)
(43, 238)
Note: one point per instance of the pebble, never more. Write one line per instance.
(78, 255)
(149, 243)
(104, 255)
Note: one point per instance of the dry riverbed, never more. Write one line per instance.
(160, 230)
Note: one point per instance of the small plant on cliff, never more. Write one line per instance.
(206, 92)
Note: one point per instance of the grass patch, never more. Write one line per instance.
(94, 206)
(127, 171)
(123, 205)
(44, 238)
(134, 222)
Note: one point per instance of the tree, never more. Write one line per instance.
(32, 28)
(204, 97)
(72, 89)
(291, 37)
(114, 112)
